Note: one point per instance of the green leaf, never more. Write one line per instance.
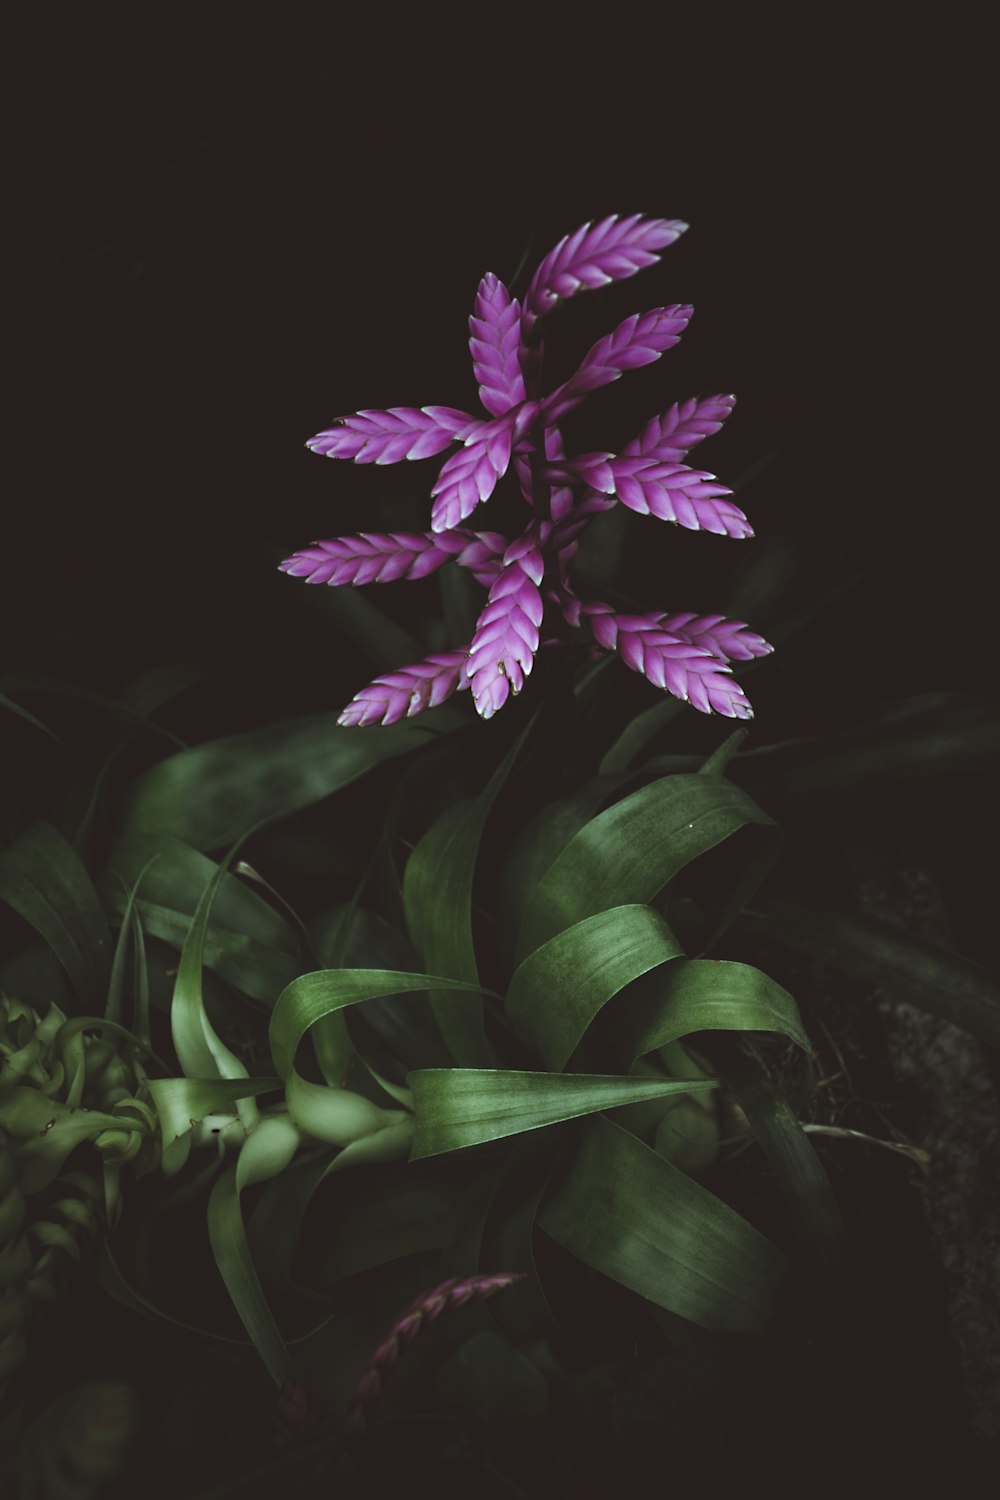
(200, 1052)
(232, 1256)
(42, 878)
(457, 1107)
(115, 1006)
(255, 969)
(321, 994)
(698, 994)
(812, 1206)
(488, 1377)
(210, 795)
(625, 1211)
(537, 846)
(946, 985)
(560, 988)
(628, 853)
(638, 733)
(370, 1219)
(47, 1131)
(437, 894)
(183, 1102)
(174, 876)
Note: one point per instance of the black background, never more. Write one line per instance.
(227, 236)
(224, 237)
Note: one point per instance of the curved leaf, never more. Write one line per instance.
(314, 995)
(629, 852)
(200, 1052)
(560, 988)
(698, 994)
(457, 1107)
(210, 795)
(232, 1256)
(629, 1214)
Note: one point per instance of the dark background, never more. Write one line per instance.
(224, 239)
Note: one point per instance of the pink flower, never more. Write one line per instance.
(687, 655)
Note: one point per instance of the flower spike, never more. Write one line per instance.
(400, 695)
(595, 254)
(685, 654)
(495, 329)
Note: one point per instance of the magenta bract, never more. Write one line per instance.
(686, 655)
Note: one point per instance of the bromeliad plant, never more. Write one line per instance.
(531, 602)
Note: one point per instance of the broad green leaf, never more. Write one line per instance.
(628, 853)
(699, 994)
(954, 988)
(538, 845)
(183, 1102)
(437, 894)
(560, 988)
(208, 796)
(631, 1215)
(312, 996)
(457, 1107)
(42, 878)
(232, 1256)
(812, 1206)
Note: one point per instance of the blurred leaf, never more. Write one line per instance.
(232, 1256)
(560, 988)
(632, 850)
(486, 1376)
(812, 1206)
(22, 713)
(639, 733)
(175, 876)
(933, 735)
(42, 878)
(954, 988)
(375, 1217)
(437, 894)
(631, 1215)
(457, 1107)
(210, 795)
